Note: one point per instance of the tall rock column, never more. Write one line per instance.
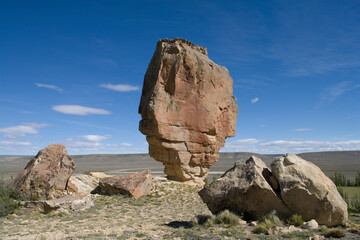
(187, 108)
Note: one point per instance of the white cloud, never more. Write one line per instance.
(79, 110)
(302, 129)
(254, 100)
(120, 87)
(14, 143)
(125, 144)
(22, 130)
(284, 146)
(95, 138)
(56, 88)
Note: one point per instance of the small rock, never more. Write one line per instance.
(99, 175)
(242, 222)
(273, 231)
(25, 222)
(8, 222)
(317, 237)
(253, 223)
(312, 224)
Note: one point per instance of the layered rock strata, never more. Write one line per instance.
(187, 108)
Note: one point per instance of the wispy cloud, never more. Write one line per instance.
(79, 110)
(284, 146)
(302, 129)
(22, 130)
(120, 87)
(95, 143)
(56, 88)
(333, 92)
(16, 146)
(14, 143)
(254, 100)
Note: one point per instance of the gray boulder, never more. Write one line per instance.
(245, 189)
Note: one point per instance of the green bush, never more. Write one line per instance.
(335, 233)
(295, 220)
(266, 222)
(8, 197)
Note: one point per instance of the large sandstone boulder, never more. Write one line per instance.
(247, 188)
(187, 108)
(134, 184)
(82, 184)
(306, 190)
(47, 174)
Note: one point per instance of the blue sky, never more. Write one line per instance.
(71, 72)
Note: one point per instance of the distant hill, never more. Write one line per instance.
(347, 162)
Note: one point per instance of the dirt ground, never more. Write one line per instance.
(167, 213)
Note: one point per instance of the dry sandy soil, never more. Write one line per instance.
(166, 213)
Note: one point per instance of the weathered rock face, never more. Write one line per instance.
(292, 186)
(134, 184)
(82, 184)
(47, 174)
(306, 190)
(187, 109)
(245, 189)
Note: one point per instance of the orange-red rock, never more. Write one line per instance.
(187, 108)
(135, 184)
(47, 174)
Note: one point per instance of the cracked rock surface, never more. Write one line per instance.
(293, 185)
(187, 109)
(47, 174)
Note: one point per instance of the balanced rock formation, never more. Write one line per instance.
(187, 108)
(306, 190)
(292, 186)
(247, 188)
(82, 184)
(47, 174)
(135, 184)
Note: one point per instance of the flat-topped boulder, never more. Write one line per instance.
(187, 109)
(135, 184)
(47, 174)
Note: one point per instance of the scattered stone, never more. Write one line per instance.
(99, 175)
(317, 237)
(253, 223)
(290, 229)
(312, 224)
(82, 184)
(187, 108)
(244, 189)
(307, 191)
(6, 222)
(69, 203)
(135, 184)
(275, 230)
(47, 174)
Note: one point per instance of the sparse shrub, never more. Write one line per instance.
(335, 233)
(261, 228)
(295, 220)
(8, 197)
(266, 222)
(226, 218)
